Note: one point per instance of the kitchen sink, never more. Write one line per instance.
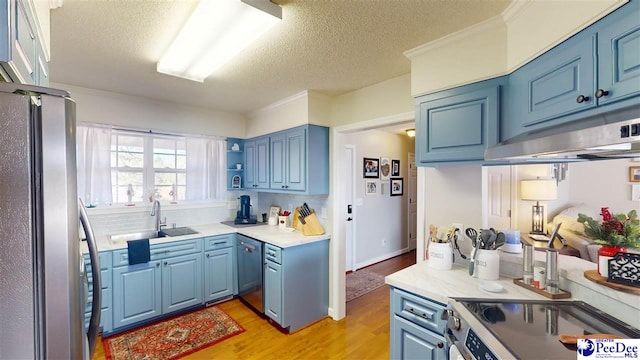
(179, 231)
(120, 238)
(151, 234)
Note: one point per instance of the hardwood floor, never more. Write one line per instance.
(362, 334)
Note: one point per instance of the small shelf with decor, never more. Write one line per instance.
(235, 164)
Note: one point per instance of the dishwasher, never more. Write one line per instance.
(250, 271)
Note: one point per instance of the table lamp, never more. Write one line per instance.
(538, 190)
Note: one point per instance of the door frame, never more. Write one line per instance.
(337, 257)
(409, 182)
(353, 208)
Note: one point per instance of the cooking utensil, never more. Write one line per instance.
(472, 263)
(500, 240)
(473, 235)
(489, 243)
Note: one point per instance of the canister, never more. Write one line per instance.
(440, 256)
(487, 266)
(512, 242)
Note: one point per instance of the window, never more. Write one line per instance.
(177, 168)
(166, 175)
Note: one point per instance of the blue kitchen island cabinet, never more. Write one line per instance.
(170, 281)
(457, 125)
(219, 267)
(256, 163)
(596, 67)
(106, 319)
(296, 284)
(417, 327)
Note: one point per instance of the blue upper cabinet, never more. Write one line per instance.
(256, 162)
(457, 125)
(22, 55)
(595, 71)
(619, 56)
(560, 82)
(288, 160)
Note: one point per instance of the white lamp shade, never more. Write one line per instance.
(538, 190)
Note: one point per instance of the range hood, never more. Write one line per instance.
(610, 135)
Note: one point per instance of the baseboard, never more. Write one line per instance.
(381, 258)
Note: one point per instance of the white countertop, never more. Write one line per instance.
(443, 285)
(266, 233)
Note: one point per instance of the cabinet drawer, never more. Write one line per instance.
(161, 251)
(103, 257)
(273, 253)
(218, 242)
(421, 311)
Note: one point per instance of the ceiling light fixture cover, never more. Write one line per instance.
(215, 32)
(411, 132)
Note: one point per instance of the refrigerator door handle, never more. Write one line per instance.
(96, 304)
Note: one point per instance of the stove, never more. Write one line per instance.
(496, 329)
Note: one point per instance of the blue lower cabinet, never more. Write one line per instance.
(296, 284)
(106, 314)
(273, 296)
(181, 282)
(137, 293)
(417, 327)
(218, 274)
(410, 341)
(457, 125)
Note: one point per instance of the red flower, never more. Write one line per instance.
(613, 225)
(606, 215)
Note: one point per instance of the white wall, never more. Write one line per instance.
(95, 106)
(386, 98)
(380, 222)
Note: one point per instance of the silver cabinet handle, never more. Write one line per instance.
(418, 314)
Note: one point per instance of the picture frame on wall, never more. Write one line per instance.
(395, 168)
(385, 168)
(371, 187)
(396, 186)
(634, 173)
(370, 168)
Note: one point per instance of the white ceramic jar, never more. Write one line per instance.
(487, 264)
(440, 256)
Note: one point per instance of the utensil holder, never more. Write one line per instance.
(283, 222)
(440, 256)
(487, 265)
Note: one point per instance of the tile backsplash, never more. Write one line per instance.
(126, 220)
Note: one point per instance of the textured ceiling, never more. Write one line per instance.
(331, 46)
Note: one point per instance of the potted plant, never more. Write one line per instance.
(616, 233)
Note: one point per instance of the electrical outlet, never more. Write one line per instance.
(324, 212)
(290, 207)
(458, 226)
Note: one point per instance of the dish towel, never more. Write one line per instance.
(138, 251)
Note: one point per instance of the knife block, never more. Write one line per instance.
(312, 226)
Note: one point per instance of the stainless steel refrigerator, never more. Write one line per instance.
(43, 288)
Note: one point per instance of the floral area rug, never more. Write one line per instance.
(173, 337)
(361, 282)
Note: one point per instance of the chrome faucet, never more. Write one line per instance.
(155, 211)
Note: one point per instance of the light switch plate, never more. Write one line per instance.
(635, 192)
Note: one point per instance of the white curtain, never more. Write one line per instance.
(206, 169)
(94, 164)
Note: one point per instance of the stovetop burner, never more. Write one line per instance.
(531, 328)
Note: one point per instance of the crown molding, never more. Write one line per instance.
(279, 103)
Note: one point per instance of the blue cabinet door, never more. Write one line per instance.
(288, 160)
(409, 341)
(218, 274)
(295, 159)
(457, 125)
(262, 163)
(137, 293)
(558, 83)
(619, 55)
(249, 164)
(181, 282)
(273, 291)
(278, 160)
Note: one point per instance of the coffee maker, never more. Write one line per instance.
(243, 215)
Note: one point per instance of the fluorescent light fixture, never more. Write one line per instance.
(411, 132)
(216, 32)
